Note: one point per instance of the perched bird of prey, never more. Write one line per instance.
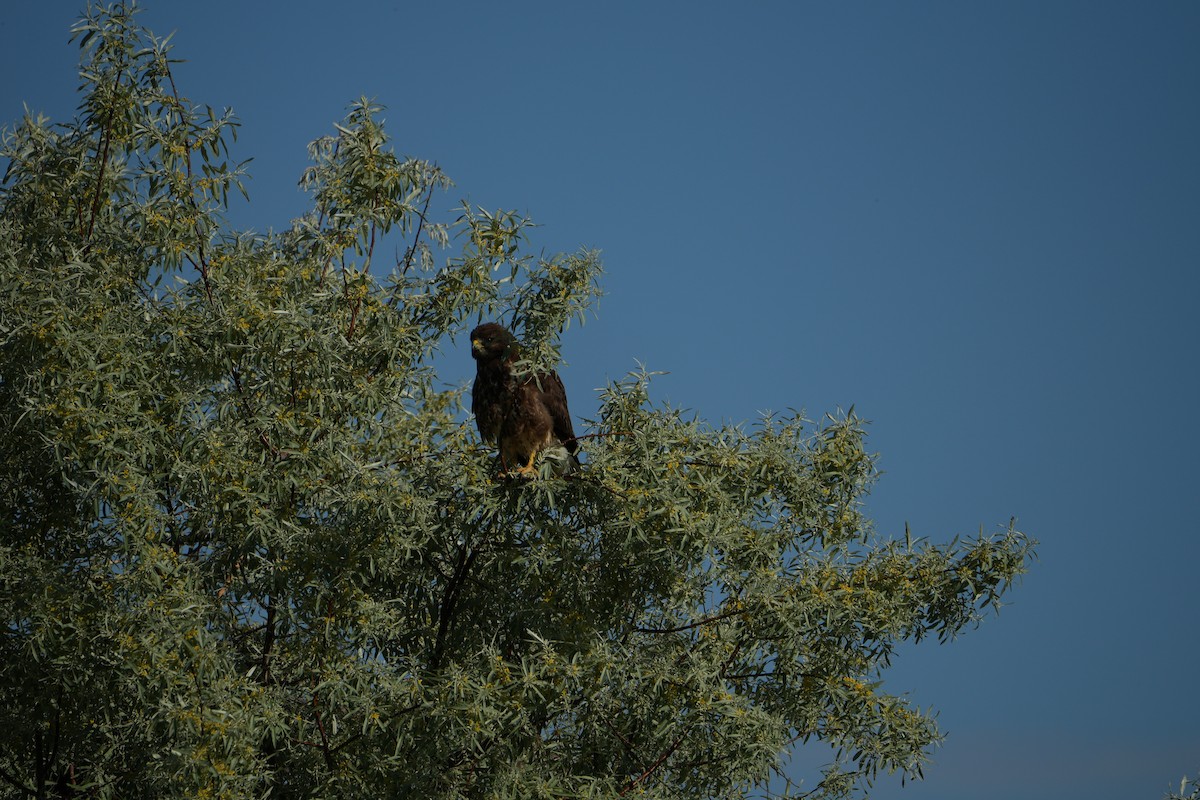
(522, 416)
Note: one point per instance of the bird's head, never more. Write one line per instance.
(492, 342)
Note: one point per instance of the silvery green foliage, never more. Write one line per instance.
(1189, 789)
(249, 548)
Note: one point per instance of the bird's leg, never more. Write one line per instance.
(527, 470)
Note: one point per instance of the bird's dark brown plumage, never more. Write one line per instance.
(521, 416)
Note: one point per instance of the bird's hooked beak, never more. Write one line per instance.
(477, 345)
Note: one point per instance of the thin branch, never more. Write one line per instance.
(697, 624)
(450, 600)
(324, 736)
(268, 641)
(337, 145)
(625, 741)
(40, 768)
(237, 384)
(737, 651)
(304, 742)
(658, 763)
(746, 676)
(595, 482)
(16, 784)
(202, 265)
(353, 319)
(679, 739)
(412, 249)
(371, 243)
(55, 727)
(601, 435)
(105, 141)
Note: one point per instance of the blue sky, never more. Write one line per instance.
(977, 223)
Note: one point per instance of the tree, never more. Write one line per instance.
(249, 549)
(1189, 789)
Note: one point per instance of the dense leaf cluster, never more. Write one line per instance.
(248, 549)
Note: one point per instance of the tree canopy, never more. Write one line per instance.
(249, 548)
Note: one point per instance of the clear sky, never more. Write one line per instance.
(978, 223)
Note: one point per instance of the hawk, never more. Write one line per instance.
(522, 416)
